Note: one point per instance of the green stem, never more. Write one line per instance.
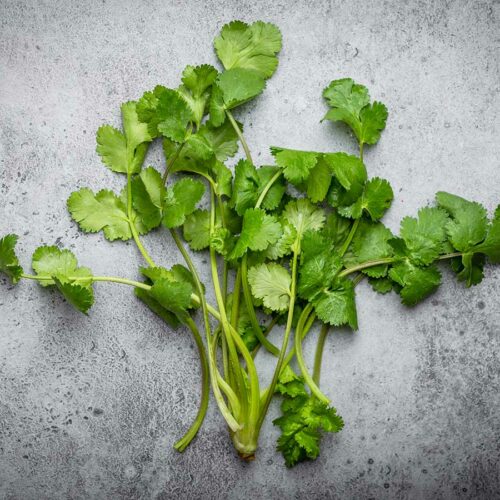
(267, 187)
(361, 151)
(131, 224)
(182, 444)
(206, 308)
(288, 329)
(268, 330)
(247, 294)
(318, 356)
(366, 265)
(170, 163)
(240, 136)
(349, 238)
(302, 365)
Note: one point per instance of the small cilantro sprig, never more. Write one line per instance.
(287, 243)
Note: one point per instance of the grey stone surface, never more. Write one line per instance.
(90, 406)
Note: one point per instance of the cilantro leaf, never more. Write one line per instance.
(303, 420)
(416, 282)
(102, 211)
(60, 268)
(123, 152)
(196, 229)
(350, 103)
(290, 384)
(167, 316)
(491, 245)
(336, 306)
(318, 182)
(197, 82)
(375, 200)
(336, 228)
(181, 200)
(250, 182)
(303, 216)
(233, 88)
(381, 285)
(284, 244)
(253, 47)
(166, 112)
(317, 272)
(271, 283)
(174, 296)
(9, 263)
(258, 232)
(223, 140)
(148, 193)
(371, 242)
(297, 165)
(424, 237)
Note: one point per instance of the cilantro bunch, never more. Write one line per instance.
(287, 243)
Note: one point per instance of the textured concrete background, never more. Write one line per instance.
(90, 406)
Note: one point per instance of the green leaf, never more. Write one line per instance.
(249, 184)
(337, 305)
(112, 148)
(302, 421)
(296, 165)
(173, 296)
(290, 384)
(271, 283)
(148, 193)
(9, 263)
(196, 229)
(136, 132)
(284, 244)
(416, 282)
(350, 103)
(181, 200)
(233, 88)
(197, 82)
(303, 216)
(253, 47)
(371, 242)
(103, 211)
(491, 245)
(223, 179)
(223, 140)
(469, 223)
(336, 228)
(169, 318)
(258, 232)
(318, 182)
(317, 272)
(50, 262)
(381, 285)
(425, 236)
(166, 113)
(375, 200)
(60, 268)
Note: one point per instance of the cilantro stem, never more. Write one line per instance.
(171, 162)
(206, 308)
(288, 329)
(182, 444)
(131, 223)
(247, 294)
(302, 364)
(349, 238)
(361, 144)
(267, 187)
(266, 333)
(366, 265)
(237, 129)
(318, 356)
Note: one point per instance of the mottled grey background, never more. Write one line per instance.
(90, 406)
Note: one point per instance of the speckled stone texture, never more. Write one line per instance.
(90, 406)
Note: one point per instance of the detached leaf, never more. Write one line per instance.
(181, 200)
(271, 283)
(9, 263)
(253, 47)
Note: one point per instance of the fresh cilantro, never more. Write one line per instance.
(181, 200)
(9, 263)
(271, 283)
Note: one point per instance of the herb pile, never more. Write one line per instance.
(287, 243)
